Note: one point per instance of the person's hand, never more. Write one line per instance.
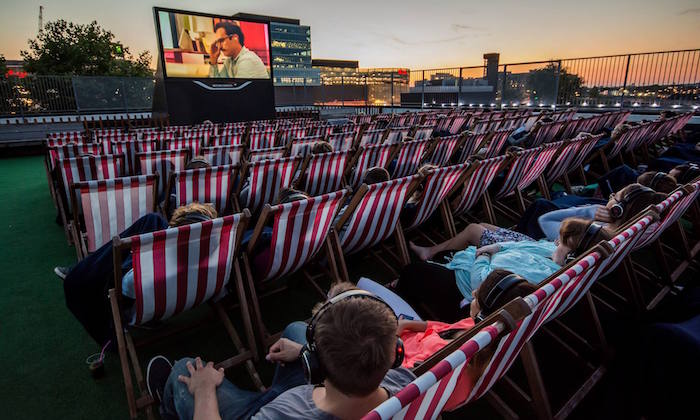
(488, 250)
(602, 214)
(202, 378)
(284, 351)
(214, 54)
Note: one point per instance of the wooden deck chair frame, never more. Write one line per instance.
(127, 345)
(228, 208)
(358, 152)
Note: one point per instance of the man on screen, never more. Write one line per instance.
(239, 61)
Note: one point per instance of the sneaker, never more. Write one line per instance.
(157, 374)
(61, 272)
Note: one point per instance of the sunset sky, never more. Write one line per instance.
(414, 34)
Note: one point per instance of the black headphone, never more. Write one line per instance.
(656, 178)
(311, 363)
(585, 242)
(503, 285)
(618, 209)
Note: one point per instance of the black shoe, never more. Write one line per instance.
(61, 272)
(157, 374)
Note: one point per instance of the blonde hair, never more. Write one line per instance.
(180, 214)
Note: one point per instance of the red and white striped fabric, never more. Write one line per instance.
(233, 138)
(371, 137)
(266, 154)
(324, 172)
(299, 230)
(202, 134)
(496, 142)
(569, 129)
(409, 158)
(342, 142)
(481, 126)
(162, 162)
(159, 136)
(290, 133)
(89, 168)
(223, 155)
(482, 174)
(446, 385)
(259, 140)
(205, 185)
(472, 144)
(396, 135)
(267, 178)
(520, 163)
(181, 267)
(671, 210)
(72, 150)
(439, 183)
(458, 124)
(560, 165)
(546, 133)
(192, 144)
(112, 205)
(376, 216)
(444, 149)
(370, 157)
(68, 136)
(129, 150)
(302, 146)
(423, 132)
(539, 165)
(585, 148)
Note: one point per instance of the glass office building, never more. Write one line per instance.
(291, 55)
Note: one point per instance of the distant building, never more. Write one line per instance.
(376, 85)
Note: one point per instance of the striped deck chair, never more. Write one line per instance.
(569, 129)
(458, 124)
(472, 143)
(227, 139)
(265, 179)
(266, 154)
(287, 134)
(175, 270)
(159, 136)
(494, 144)
(109, 207)
(437, 186)
(571, 156)
(129, 150)
(479, 176)
(192, 144)
(162, 162)
(541, 163)
(67, 136)
(204, 185)
(88, 168)
(671, 210)
(258, 140)
(372, 137)
(409, 157)
(481, 126)
(223, 155)
(518, 164)
(343, 141)
(546, 133)
(423, 132)
(300, 230)
(396, 135)
(446, 385)
(369, 157)
(443, 149)
(302, 146)
(372, 217)
(71, 150)
(323, 173)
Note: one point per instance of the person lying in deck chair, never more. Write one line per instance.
(342, 365)
(446, 289)
(85, 284)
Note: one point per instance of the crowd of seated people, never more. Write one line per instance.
(355, 352)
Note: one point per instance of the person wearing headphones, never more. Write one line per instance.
(343, 364)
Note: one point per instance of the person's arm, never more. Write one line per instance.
(284, 351)
(411, 325)
(551, 222)
(202, 384)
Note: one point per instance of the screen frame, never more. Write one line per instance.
(161, 49)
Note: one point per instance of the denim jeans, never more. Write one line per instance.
(234, 403)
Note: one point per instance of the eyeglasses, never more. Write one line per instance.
(221, 40)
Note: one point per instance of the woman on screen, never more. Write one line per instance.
(239, 61)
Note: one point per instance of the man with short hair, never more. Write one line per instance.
(239, 61)
(355, 344)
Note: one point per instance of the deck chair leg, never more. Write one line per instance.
(448, 221)
(544, 189)
(124, 361)
(534, 379)
(599, 335)
(488, 208)
(245, 311)
(144, 399)
(331, 257)
(633, 284)
(401, 245)
(340, 258)
(567, 183)
(521, 201)
(255, 304)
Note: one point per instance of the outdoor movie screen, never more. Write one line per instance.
(198, 46)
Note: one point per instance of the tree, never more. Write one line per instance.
(542, 84)
(3, 67)
(66, 48)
